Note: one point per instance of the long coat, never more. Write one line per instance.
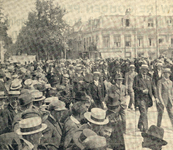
(141, 84)
(97, 93)
(69, 129)
(165, 91)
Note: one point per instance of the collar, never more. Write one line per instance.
(74, 120)
(117, 85)
(166, 79)
(29, 144)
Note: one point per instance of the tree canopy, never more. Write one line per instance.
(42, 33)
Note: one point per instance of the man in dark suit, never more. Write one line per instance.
(97, 90)
(143, 88)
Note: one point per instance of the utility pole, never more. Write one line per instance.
(157, 48)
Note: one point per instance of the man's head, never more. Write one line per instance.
(132, 68)
(96, 76)
(167, 73)
(144, 69)
(31, 129)
(118, 79)
(97, 118)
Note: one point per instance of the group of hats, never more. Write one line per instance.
(28, 96)
(88, 139)
(31, 123)
(53, 103)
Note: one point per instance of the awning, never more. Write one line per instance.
(111, 55)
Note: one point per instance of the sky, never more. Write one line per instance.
(17, 10)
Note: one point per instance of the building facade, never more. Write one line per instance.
(124, 36)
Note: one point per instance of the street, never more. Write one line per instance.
(133, 138)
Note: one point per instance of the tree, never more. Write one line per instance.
(3, 30)
(42, 34)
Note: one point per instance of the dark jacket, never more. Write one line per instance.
(97, 93)
(141, 84)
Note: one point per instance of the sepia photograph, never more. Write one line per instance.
(86, 75)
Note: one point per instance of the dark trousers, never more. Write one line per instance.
(122, 114)
(117, 138)
(160, 109)
(143, 119)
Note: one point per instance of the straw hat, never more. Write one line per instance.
(57, 106)
(97, 116)
(167, 70)
(16, 84)
(81, 135)
(50, 99)
(144, 66)
(31, 126)
(38, 96)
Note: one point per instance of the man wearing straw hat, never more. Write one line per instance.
(129, 78)
(165, 96)
(31, 132)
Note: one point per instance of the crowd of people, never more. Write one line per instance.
(81, 104)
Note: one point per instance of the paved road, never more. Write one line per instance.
(133, 137)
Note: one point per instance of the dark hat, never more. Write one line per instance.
(25, 99)
(81, 96)
(60, 87)
(40, 87)
(156, 133)
(88, 78)
(113, 102)
(81, 135)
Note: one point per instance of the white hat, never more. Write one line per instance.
(16, 84)
(144, 66)
(28, 82)
(51, 99)
(38, 96)
(167, 70)
(97, 116)
(31, 126)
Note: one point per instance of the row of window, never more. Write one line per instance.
(90, 40)
(128, 41)
(150, 22)
(117, 41)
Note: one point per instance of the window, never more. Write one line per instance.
(84, 44)
(150, 22)
(117, 40)
(161, 41)
(106, 41)
(89, 41)
(169, 22)
(127, 22)
(128, 41)
(172, 42)
(97, 38)
(140, 42)
(150, 42)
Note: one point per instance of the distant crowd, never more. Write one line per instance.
(81, 104)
